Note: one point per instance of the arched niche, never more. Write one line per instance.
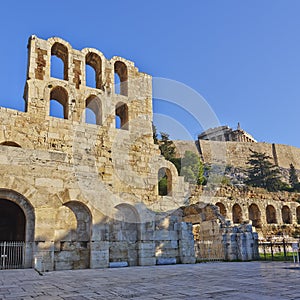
(222, 209)
(237, 215)
(271, 214)
(254, 215)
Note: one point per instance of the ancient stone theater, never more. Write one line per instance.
(79, 195)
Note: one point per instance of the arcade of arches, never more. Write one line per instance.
(260, 214)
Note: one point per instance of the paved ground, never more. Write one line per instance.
(251, 280)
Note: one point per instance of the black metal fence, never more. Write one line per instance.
(279, 250)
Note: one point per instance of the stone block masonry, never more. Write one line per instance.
(85, 195)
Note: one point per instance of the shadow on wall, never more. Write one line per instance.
(122, 241)
(127, 240)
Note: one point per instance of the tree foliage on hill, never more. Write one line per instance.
(192, 168)
(293, 178)
(166, 146)
(262, 173)
(168, 150)
(155, 138)
(189, 166)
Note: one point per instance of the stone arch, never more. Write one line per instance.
(122, 113)
(286, 215)
(60, 95)
(29, 219)
(84, 220)
(59, 50)
(10, 144)
(222, 209)
(254, 215)
(74, 230)
(124, 233)
(237, 215)
(271, 214)
(27, 208)
(94, 104)
(13, 222)
(93, 60)
(164, 182)
(298, 214)
(121, 70)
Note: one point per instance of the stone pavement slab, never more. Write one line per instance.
(234, 280)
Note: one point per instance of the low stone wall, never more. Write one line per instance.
(269, 212)
(216, 239)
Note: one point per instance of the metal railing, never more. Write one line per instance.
(279, 250)
(12, 255)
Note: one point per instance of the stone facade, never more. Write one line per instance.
(88, 192)
(236, 154)
(86, 195)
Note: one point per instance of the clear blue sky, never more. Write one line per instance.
(243, 57)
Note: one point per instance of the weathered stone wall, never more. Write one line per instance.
(236, 154)
(92, 188)
(269, 212)
(89, 192)
(216, 239)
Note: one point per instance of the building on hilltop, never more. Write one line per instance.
(226, 134)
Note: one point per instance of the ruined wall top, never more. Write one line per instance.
(72, 91)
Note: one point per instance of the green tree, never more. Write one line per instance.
(163, 186)
(166, 146)
(262, 173)
(192, 168)
(293, 178)
(155, 138)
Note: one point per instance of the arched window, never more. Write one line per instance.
(117, 84)
(164, 182)
(10, 144)
(59, 103)
(121, 76)
(122, 116)
(59, 61)
(286, 215)
(271, 215)
(222, 209)
(237, 216)
(254, 215)
(93, 70)
(93, 111)
(298, 214)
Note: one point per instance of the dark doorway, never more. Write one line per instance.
(12, 222)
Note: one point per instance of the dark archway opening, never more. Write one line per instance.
(254, 215)
(271, 215)
(237, 216)
(12, 222)
(286, 215)
(222, 209)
